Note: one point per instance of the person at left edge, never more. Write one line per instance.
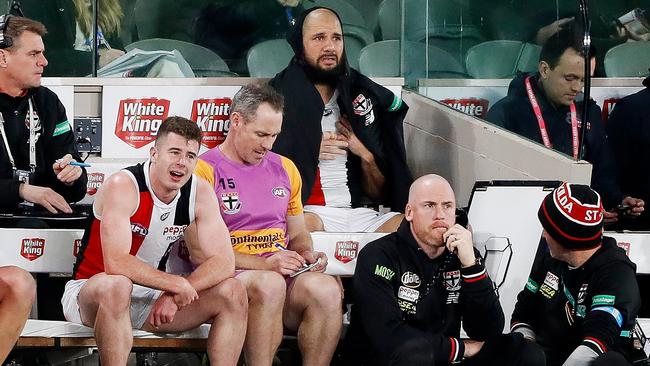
(24, 103)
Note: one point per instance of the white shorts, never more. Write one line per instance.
(142, 300)
(350, 220)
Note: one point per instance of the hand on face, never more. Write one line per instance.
(458, 240)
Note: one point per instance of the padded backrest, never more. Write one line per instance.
(200, 58)
(501, 59)
(356, 38)
(267, 58)
(630, 59)
(383, 59)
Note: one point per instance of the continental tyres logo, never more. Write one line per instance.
(213, 118)
(138, 120)
(95, 181)
(346, 251)
(32, 248)
(476, 107)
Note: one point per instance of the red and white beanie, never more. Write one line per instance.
(573, 215)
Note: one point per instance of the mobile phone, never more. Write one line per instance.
(622, 209)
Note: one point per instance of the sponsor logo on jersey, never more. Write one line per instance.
(452, 280)
(552, 281)
(173, 232)
(230, 202)
(603, 300)
(76, 247)
(138, 120)
(213, 118)
(408, 294)
(164, 216)
(139, 230)
(384, 272)
(476, 107)
(279, 192)
(183, 252)
(410, 279)
(95, 181)
(32, 248)
(346, 250)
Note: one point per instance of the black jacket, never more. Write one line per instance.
(376, 116)
(628, 129)
(405, 300)
(595, 304)
(515, 113)
(56, 139)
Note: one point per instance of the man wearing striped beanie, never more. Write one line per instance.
(581, 300)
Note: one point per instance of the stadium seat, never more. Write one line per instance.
(631, 59)
(501, 59)
(203, 61)
(356, 38)
(383, 59)
(267, 58)
(348, 13)
(171, 19)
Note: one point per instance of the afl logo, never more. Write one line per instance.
(279, 192)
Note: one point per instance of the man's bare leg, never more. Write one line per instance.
(313, 308)
(266, 294)
(391, 225)
(223, 305)
(104, 303)
(17, 293)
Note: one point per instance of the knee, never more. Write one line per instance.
(610, 359)
(313, 222)
(115, 294)
(530, 353)
(324, 291)
(269, 288)
(232, 293)
(19, 284)
(412, 352)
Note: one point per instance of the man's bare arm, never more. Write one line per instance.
(115, 203)
(301, 242)
(208, 241)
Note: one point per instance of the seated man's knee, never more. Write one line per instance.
(19, 283)
(530, 353)
(115, 293)
(268, 288)
(324, 290)
(232, 294)
(313, 222)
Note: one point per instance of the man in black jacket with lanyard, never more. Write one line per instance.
(413, 287)
(581, 300)
(38, 143)
(343, 131)
(543, 107)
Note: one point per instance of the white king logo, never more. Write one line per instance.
(32, 248)
(347, 250)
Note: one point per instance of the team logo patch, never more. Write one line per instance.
(408, 294)
(213, 118)
(279, 192)
(95, 181)
(32, 248)
(345, 251)
(76, 247)
(138, 120)
(452, 280)
(410, 279)
(183, 253)
(361, 105)
(230, 202)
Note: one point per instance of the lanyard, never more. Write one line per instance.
(542, 125)
(32, 139)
